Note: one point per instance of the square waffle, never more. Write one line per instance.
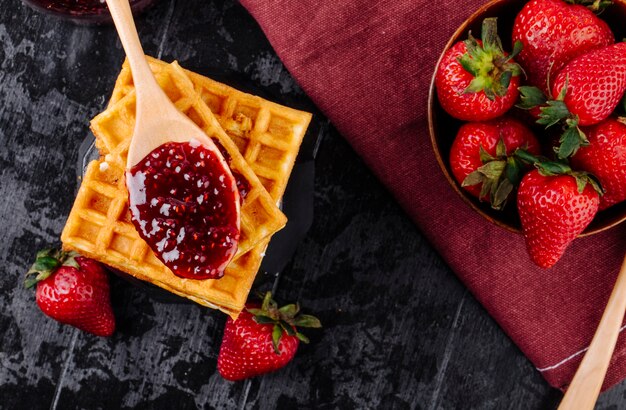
(99, 224)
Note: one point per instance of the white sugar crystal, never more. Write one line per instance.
(104, 166)
(171, 255)
(165, 209)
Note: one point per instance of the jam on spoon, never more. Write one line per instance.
(186, 207)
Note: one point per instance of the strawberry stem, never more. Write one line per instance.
(549, 168)
(46, 263)
(498, 175)
(284, 320)
(488, 63)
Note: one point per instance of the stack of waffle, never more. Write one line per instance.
(263, 140)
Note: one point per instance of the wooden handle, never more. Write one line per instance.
(146, 86)
(585, 387)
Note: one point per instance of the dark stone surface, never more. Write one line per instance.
(400, 331)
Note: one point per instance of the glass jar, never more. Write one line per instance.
(83, 11)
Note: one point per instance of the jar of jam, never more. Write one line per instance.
(83, 11)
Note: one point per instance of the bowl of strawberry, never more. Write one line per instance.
(527, 118)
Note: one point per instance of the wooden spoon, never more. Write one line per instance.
(157, 119)
(157, 122)
(585, 387)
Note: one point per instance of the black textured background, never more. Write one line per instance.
(400, 332)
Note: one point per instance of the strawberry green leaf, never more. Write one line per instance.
(517, 48)
(46, 263)
(583, 178)
(254, 312)
(290, 310)
(595, 183)
(307, 321)
(502, 194)
(571, 140)
(479, 84)
(287, 328)
(501, 148)
(484, 155)
(69, 259)
(485, 189)
(277, 333)
(266, 301)
(263, 320)
(468, 65)
(302, 338)
(554, 112)
(489, 34)
(531, 97)
(563, 90)
(513, 171)
(505, 81)
(526, 157)
(581, 183)
(549, 168)
(493, 169)
(474, 178)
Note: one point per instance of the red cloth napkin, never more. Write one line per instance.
(367, 64)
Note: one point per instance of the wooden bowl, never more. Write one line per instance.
(443, 128)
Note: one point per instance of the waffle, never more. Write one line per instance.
(99, 224)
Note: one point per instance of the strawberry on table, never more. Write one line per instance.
(481, 157)
(555, 205)
(263, 339)
(553, 32)
(477, 80)
(73, 290)
(605, 157)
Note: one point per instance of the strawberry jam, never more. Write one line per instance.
(185, 204)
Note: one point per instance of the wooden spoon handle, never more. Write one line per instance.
(585, 387)
(146, 86)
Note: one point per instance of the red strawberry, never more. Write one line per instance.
(480, 157)
(555, 205)
(261, 340)
(477, 80)
(605, 157)
(73, 290)
(587, 90)
(554, 32)
(593, 83)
